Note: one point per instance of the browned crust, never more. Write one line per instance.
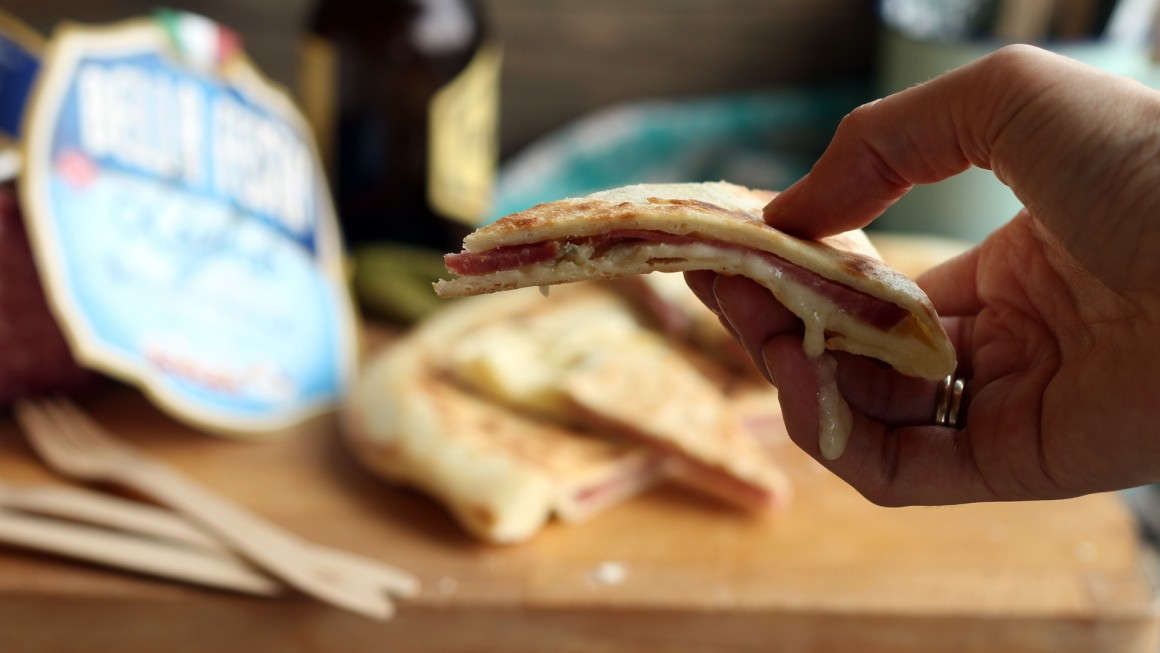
(720, 212)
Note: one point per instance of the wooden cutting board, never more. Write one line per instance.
(831, 573)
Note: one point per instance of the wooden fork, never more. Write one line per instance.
(94, 508)
(75, 445)
(85, 506)
(137, 554)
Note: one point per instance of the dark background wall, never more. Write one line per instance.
(565, 57)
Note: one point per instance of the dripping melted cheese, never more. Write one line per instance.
(834, 418)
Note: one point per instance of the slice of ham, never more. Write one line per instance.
(501, 258)
(687, 469)
(866, 308)
(723, 485)
(594, 495)
(589, 499)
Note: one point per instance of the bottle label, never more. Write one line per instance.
(462, 140)
(318, 91)
(20, 48)
(182, 224)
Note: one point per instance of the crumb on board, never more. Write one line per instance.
(609, 573)
(446, 585)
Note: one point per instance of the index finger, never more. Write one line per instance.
(921, 135)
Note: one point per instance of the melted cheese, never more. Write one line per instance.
(814, 340)
(834, 418)
(522, 362)
(816, 312)
(503, 365)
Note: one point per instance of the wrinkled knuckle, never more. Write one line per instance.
(1014, 63)
(855, 121)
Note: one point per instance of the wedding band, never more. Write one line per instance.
(948, 402)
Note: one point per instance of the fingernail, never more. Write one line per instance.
(763, 367)
(721, 316)
(715, 308)
(728, 327)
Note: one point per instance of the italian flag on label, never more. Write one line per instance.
(201, 43)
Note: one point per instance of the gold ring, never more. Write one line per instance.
(948, 402)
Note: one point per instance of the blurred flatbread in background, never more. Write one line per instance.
(502, 473)
(514, 407)
(518, 355)
(756, 411)
(667, 303)
(913, 254)
(581, 357)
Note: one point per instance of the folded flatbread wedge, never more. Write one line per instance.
(582, 357)
(668, 304)
(846, 297)
(502, 474)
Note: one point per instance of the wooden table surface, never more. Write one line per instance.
(830, 573)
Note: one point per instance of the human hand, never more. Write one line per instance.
(1055, 317)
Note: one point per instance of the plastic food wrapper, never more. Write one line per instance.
(763, 140)
(168, 218)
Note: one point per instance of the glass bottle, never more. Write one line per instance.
(403, 97)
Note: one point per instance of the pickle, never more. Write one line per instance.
(393, 282)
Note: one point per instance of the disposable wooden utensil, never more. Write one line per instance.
(97, 509)
(132, 553)
(82, 505)
(75, 445)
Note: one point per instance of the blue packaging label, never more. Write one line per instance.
(184, 230)
(19, 61)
